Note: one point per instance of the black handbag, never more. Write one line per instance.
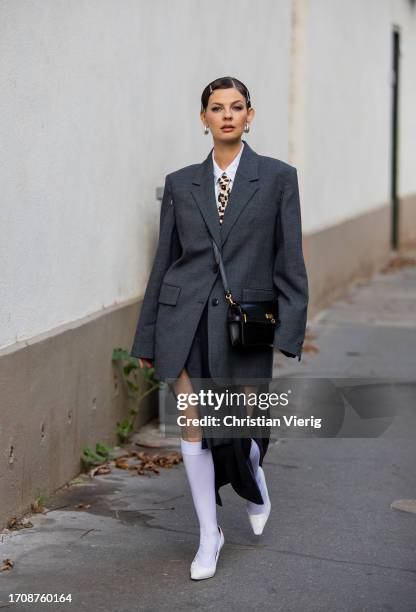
(250, 324)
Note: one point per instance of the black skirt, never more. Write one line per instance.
(231, 455)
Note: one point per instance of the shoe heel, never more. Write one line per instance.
(200, 572)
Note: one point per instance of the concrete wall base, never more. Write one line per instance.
(59, 393)
(345, 253)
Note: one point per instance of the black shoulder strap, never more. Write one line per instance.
(220, 262)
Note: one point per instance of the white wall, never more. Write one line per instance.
(345, 169)
(99, 100)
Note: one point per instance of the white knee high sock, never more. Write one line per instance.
(199, 467)
(255, 461)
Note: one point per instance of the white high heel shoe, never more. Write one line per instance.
(258, 521)
(200, 572)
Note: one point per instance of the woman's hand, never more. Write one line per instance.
(148, 363)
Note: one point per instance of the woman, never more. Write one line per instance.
(249, 205)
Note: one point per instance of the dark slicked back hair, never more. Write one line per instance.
(224, 83)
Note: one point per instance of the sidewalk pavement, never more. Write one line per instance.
(333, 541)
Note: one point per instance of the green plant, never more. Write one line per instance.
(125, 428)
(136, 390)
(139, 382)
(91, 458)
(39, 502)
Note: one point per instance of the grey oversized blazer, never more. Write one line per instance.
(261, 242)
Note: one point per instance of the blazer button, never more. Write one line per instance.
(215, 301)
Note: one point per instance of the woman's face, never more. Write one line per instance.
(226, 107)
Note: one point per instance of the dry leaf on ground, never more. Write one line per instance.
(7, 565)
(397, 263)
(310, 348)
(100, 470)
(142, 462)
(14, 524)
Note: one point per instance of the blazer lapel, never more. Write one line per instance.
(244, 187)
(204, 194)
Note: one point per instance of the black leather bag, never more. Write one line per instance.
(250, 324)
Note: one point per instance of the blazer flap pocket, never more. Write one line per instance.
(257, 295)
(169, 294)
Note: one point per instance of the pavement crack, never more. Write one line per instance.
(342, 561)
(87, 532)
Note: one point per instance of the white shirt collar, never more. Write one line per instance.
(231, 168)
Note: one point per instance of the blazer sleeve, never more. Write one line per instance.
(168, 250)
(289, 273)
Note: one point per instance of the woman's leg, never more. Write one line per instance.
(199, 467)
(183, 384)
